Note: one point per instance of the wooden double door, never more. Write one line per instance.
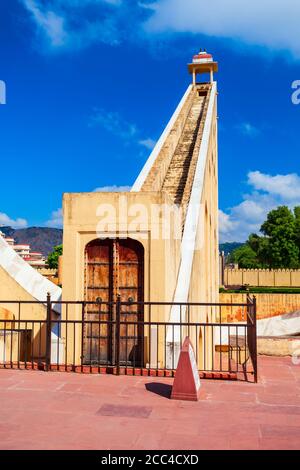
(113, 267)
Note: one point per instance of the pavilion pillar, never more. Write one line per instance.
(194, 77)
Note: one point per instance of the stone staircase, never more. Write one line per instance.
(183, 163)
(174, 169)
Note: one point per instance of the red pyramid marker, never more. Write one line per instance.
(186, 384)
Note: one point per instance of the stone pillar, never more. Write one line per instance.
(194, 77)
(60, 270)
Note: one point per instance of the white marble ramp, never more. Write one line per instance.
(281, 325)
(27, 277)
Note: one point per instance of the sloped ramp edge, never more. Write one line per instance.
(137, 186)
(27, 277)
(281, 325)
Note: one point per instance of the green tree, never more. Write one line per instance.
(53, 257)
(279, 245)
(297, 225)
(245, 256)
(280, 229)
(260, 245)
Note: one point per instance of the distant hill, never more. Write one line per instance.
(229, 247)
(44, 239)
(41, 239)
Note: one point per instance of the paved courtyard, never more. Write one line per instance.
(60, 410)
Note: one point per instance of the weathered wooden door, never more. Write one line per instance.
(130, 280)
(98, 275)
(113, 267)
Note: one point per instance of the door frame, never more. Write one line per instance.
(113, 250)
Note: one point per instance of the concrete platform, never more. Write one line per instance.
(278, 346)
(57, 410)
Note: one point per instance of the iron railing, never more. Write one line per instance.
(127, 337)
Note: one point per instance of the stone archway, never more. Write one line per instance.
(113, 267)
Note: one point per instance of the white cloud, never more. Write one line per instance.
(48, 22)
(113, 189)
(69, 24)
(113, 122)
(248, 129)
(148, 143)
(267, 193)
(56, 219)
(114, 2)
(225, 223)
(15, 223)
(274, 24)
(284, 186)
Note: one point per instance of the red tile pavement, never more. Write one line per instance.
(58, 410)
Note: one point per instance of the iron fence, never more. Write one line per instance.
(134, 338)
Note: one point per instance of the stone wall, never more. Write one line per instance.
(262, 277)
(268, 305)
(47, 272)
(51, 275)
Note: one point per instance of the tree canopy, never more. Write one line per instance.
(53, 257)
(277, 247)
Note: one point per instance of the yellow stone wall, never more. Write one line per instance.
(268, 305)
(205, 273)
(11, 290)
(262, 277)
(161, 259)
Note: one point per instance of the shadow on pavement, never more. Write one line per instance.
(164, 390)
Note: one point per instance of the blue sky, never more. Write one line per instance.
(91, 85)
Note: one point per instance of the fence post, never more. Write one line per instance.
(84, 335)
(118, 313)
(252, 333)
(255, 338)
(48, 333)
(249, 301)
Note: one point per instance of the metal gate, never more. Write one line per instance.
(54, 341)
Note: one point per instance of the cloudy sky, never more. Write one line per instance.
(91, 85)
